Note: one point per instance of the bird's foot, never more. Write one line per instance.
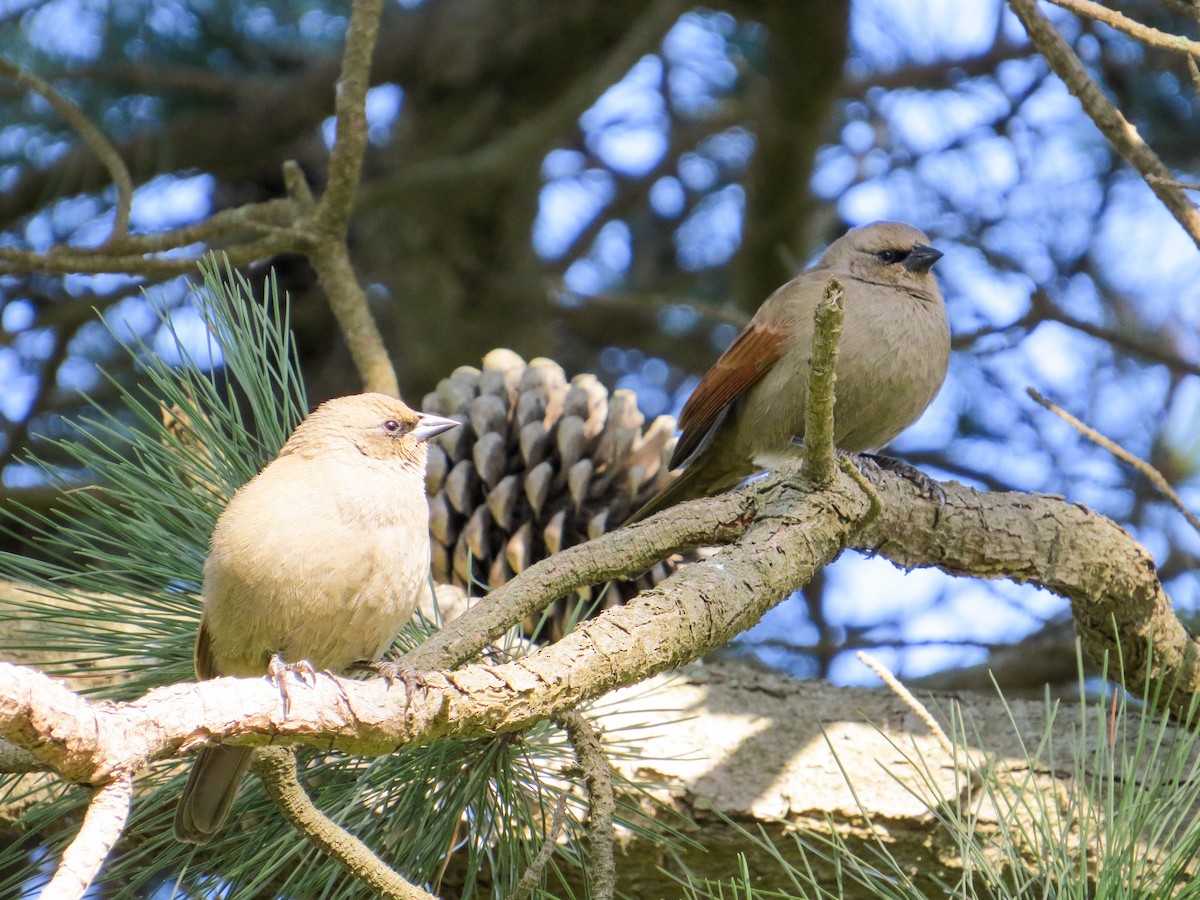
(412, 679)
(929, 488)
(278, 671)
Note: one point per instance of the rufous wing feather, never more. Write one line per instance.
(739, 368)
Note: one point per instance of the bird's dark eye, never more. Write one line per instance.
(391, 426)
(888, 257)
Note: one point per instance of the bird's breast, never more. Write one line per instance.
(892, 360)
(326, 568)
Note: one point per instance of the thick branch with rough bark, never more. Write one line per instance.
(1043, 540)
(701, 607)
(1093, 562)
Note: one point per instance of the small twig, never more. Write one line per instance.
(224, 225)
(598, 780)
(1194, 71)
(276, 766)
(1182, 185)
(92, 136)
(102, 825)
(819, 406)
(350, 111)
(962, 761)
(1152, 474)
(330, 220)
(331, 259)
(847, 465)
(1144, 33)
(533, 875)
(297, 186)
(1154, 348)
(234, 227)
(887, 677)
(1113, 125)
(68, 260)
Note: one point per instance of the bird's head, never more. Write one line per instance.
(375, 425)
(886, 253)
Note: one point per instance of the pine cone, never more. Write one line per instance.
(540, 464)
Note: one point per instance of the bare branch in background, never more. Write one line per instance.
(1144, 33)
(1152, 474)
(92, 136)
(1116, 128)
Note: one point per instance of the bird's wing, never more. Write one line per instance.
(743, 363)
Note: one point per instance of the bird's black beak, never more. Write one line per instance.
(429, 426)
(921, 258)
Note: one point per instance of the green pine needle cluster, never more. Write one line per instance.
(119, 558)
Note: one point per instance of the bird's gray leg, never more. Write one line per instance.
(278, 670)
(395, 671)
(928, 487)
(873, 463)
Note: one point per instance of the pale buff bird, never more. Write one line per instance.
(320, 558)
(747, 414)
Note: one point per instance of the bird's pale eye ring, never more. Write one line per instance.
(890, 257)
(391, 426)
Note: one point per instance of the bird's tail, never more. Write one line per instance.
(209, 794)
(694, 481)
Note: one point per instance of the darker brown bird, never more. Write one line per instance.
(747, 414)
(320, 558)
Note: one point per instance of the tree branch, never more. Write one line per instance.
(1148, 471)
(92, 136)
(276, 767)
(533, 875)
(819, 409)
(598, 779)
(716, 520)
(1107, 577)
(346, 156)
(700, 607)
(64, 260)
(331, 259)
(330, 218)
(1136, 30)
(1113, 125)
(102, 825)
